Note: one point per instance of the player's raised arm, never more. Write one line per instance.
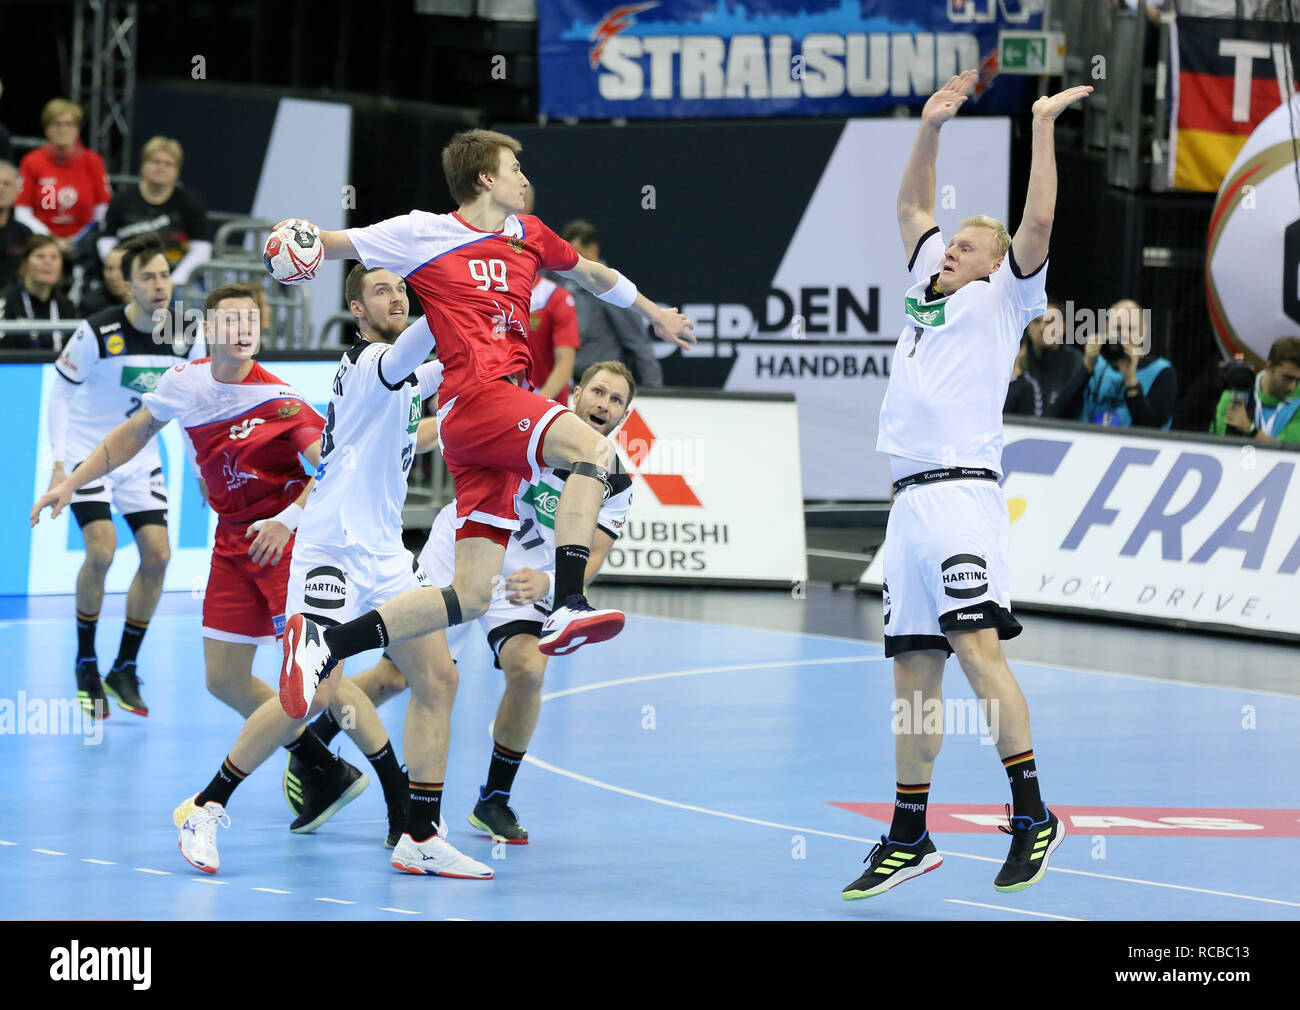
(1032, 237)
(916, 192)
(611, 286)
(120, 445)
(336, 244)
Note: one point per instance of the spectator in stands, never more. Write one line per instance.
(110, 289)
(35, 296)
(13, 233)
(608, 332)
(1049, 375)
(1127, 385)
(63, 188)
(161, 204)
(1270, 412)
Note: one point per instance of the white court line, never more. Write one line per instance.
(1041, 664)
(337, 901)
(270, 890)
(209, 880)
(1021, 911)
(50, 852)
(3, 842)
(399, 911)
(100, 862)
(156, 873)
(532, 759)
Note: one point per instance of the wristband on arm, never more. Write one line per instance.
(623, 293)
(290, 517)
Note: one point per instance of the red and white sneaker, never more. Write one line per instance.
(576, 624)
(307, 662)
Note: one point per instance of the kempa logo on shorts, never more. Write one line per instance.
(931, 316)
(325, 588)
(525, 424)
(965, 585)
(142, 379)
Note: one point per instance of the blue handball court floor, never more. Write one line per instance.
(686, 770)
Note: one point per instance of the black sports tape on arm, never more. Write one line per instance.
(585, 469)
(452, 602)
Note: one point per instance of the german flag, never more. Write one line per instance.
(1229, 76)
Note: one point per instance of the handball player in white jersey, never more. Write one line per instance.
(473, 271)
(520, 603)
(945, 552)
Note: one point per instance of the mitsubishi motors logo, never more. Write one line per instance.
(637, 439)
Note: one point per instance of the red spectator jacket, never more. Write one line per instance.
(62, 191)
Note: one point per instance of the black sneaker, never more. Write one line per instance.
(494, 818)
(90, 690)
(1032, 844)
(326, 791)
(291, 782)
(892, 863)
(123, 684)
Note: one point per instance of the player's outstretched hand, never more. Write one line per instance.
(56, 499)
(526, 586)
(269, 545)
(1050, 106)
(672, 325)
(944, 103)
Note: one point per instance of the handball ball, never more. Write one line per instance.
(293, 253)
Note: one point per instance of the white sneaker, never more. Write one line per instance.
(198, 837)
(306, 663)
(437, 857)
(575, 624)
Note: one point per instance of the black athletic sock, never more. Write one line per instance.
(365, 633)
(570, 571)
(1023, 776)
(390, 773)
(132, 636)
(501, 772)
(425, 811)
(86, 626)
(909, 813)
(222, 785)
(326, 727)
(312, 750)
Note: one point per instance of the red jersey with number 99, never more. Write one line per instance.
(475, 286)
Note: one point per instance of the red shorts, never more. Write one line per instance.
(492, 438)
(244, 602)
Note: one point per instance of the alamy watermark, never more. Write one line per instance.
(950, 716)
(26, 716)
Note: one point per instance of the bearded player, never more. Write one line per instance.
(513, 622)
(945, 554)
(473, 271)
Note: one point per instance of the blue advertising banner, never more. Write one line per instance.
(599, 59)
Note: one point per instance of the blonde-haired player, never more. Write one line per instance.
(946, 579)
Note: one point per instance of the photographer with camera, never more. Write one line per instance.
(1129, 385)
(1262, 406)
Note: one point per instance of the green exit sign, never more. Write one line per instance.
(1031, 52)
